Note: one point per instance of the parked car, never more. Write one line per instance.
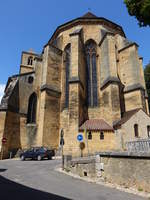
(37, 153)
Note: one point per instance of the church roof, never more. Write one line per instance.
(96, 125)
(89, 15)
(88, 18)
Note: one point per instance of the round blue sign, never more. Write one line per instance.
(80, 137)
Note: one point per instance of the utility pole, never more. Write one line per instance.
(62, 142)
(86, 139)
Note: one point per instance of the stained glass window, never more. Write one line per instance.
(91, 73)
(31, 115)
(67, 67)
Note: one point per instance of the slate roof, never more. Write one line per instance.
(125, 118)
(96, 125)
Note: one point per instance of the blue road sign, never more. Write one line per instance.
(80, 137)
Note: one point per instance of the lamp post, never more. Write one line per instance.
(86, 139)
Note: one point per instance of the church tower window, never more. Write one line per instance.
(30, 60)
(90, 49)
(67, 67)
(31, 115)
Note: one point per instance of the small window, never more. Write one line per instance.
(148, 131)
(136, 131)
(30, 79)
(101, 136)
(30, 60)
(89, 136)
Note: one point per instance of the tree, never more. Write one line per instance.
(147, 80)
(140, 9)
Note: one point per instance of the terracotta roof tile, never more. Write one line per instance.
(125, 118)
(96, 125)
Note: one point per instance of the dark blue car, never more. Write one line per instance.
(37, 153)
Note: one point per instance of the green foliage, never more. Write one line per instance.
(147, 80)
(140, 189)
(140, 9)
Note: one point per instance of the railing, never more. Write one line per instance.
(141, 145)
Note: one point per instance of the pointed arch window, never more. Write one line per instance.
(32, 104)
(90, 49)
(67, 68)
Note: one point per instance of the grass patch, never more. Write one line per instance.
(140, 189)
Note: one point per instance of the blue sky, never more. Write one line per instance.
(26, 24)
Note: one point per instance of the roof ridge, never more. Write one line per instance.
(89, 15)
(96, 124)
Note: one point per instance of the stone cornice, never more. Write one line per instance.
(73, 80)
(76, 32)
(109, 80)
(57, 50)
(133, 87)
(52, 91)
(128, 46)
(108, 33)
(13, 111)
(31, 53)
(38, 58)
(27, 66)
(82, 21)
(23, 74)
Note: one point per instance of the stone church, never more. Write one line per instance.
(89, 80)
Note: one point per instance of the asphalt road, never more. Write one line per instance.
(37, 180)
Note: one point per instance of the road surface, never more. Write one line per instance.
(37, 180)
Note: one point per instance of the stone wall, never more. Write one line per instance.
(11, 131)
(2, 126)
(51, 121)
(127, 170)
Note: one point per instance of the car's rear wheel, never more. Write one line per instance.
(22, 158)
(39, 158)
(49, 157)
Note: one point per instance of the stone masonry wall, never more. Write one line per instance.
(117, 168)
(11, 132)
(129, 171)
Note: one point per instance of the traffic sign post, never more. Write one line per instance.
(4, 140)
(80, 137)
(62, 142)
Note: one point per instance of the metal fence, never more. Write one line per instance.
(142, 145)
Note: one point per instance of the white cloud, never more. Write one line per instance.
(2, 87)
